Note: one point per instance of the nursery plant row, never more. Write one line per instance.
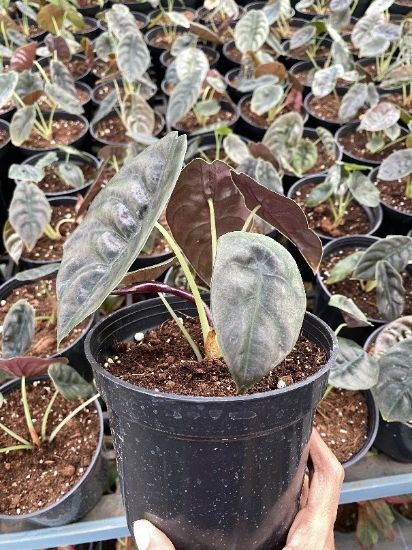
(206, 214)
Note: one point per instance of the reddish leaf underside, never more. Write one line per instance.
(28, 366)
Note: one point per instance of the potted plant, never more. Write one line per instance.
(158, 168)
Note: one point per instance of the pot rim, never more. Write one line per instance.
(373, 176)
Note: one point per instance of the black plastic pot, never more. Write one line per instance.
(156, 51)
(28, 151)
(37, 36)
(226, 62)
(361, 8)
(374, 214)
(74, 352)
(166, 58)
(136, 6)
(393, 438)
(395, 222)
(212, 473)
(6, 144)
(90, 33)
(331, 314)
(350, 156)
(398, 8)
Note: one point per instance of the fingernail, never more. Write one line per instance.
(142, 535)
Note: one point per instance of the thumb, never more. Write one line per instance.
(148, 537)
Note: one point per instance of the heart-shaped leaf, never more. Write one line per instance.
(188, 212)
(376, 46)
(342, 269)
(393, 392)
(324, 80)
(390, 293)
(182, 99)
(267, 175)
(353, 369)
(266, 97)
(18, 329)
(396, 166)
(192, 62)
(284, 133)
(133, 57)
(58, 45)
(71, 174)
(363, 190)
(46, 160)
(379, 6)
(364, 29)
(250, 84)
(49, 17)
(64, 99)
(141, 118)
(120, 20)
(28, 366)
(8, 83)
(251, 31)
(236, 149)
(207, 107)
(178, 19)
(258, 295)
(21, 124)
(29, 213)
(98, 254)
(380, 117)
(397, 250)
(69, 383)
(12, 242)
(303, 36)
(353, 316)
(352, 101)
(23, 57)
(392, 333)
(37, 272)
(320, 193)
(25, 172)
(305, 156)
(283, 214)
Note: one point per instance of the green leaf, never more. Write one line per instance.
(28, 83)
(178, 19)
(324, 80)
(64, 99)
(366, 532)
(323, 191)
(12, 242)
(304, 156)
(328, 141)
(29, 213)
(21, 124)
(392, 333)
(100, 251)
(303, 36)
(258, 305)
(8, 83)
(266, 97)
(207, 107)
(353, 316)
(46, 160)
(192, 63)
(342, 269)
(182, 99)
(363, 190)
(104, 45)
(397, 250)
(390, 294)
(379, 6)
(106, 106)
(266, 175)
(25, 172)
(354, 369)
(120, 20)
(140, 120)
(393, 392)
(251, 31)
(188, 212)
(37, 272)
(69, 383)
(18, 329)
(396, 166)
(284, 133)
(133, 57)
(71, 174)
(236, 149)
(353, 101)
(380, 117)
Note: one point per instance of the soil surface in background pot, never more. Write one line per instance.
(301, 53)
(350, 288)
(46, 249)
(327, 108)
(261, 121)
(65, 131)
(101, 69)
(52, 183)
(393, 194)
(4, 135)
(42, 296)
(31, 480)
(164, 361)
(354, 143)
(189, 122)
(77, 68)
(164, 41)
(342, 420)
(81, 93)
(320, 218)
(7, 107)
(112, 129)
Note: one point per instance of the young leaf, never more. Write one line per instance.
(183, 98)
(257, 294)
(178, 19)
(250, 84)
(106, 106)
(363, 190)
(188, 212)
(251, 31)
(284, 133)
(69, 383)
(49, 16)
(28, 366)
(380, 117)
(21, 124)
(320, 193)
(390, 294)
(393, 392)
(18, 329)
(104, 46)
(28, 84)
(62, 77)
(354, 369)
(236, 149)
(63, 99)
(58, 45)
(364, 29)
(133, 57)
(25, 172)
(37, 272)
(283, 214)
(392, 333)
(305, 156)
(342, 269)
(23, 57)
(328, 141)
(46, 160)
(303, 36)
(141, 118)
(12, 242)
(266, 175)
(353, 316)
(29, 213)
(207, 107)
(120, 20)
(352, 101)
(396, 166)
(8, 83)
(266, 97)
(324, 80)
(98, 254)
(71, 174)
(397, 250)
(150, 273)
(192, 63)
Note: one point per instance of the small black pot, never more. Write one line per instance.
(136, 6)
(156, 51)
(398, 8)
(90, 33)
(82, 498)
(7, 115)
(300, 67)
(395, 222)
(166, 58)
(361, 8)
(331, 314)
(223, 454)
(226, 62)
(37, 36)
(234, 93)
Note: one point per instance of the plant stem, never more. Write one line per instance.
(16, 448)
(250, 218)
(71, 415)
(185, 333)
(340, 327)
(46, 416)
(328, 390)
(212, 228)
(15, 436)
(190, 280)
(29, 421)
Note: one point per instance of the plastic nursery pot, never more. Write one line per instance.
(77, 502)
(76, 143)
(402, 7)
(230, 58)
(91, 160)
(75, 351)
(166, 58)
(349, 156)
(155, 50)
(331, 314)
(393, 438)
(90, 31)
(232, 90)
(395, 222)
(212, 473)
(374, 214)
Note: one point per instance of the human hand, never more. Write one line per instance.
(312, 528)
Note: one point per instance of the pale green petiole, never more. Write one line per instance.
(71, 415)
(14, 435)
(46, 415)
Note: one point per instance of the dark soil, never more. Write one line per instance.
(261, 121)
(65, 132)
(189, 122)
(164, 41)
(393, 194)
(347, 518)
(101, 68)
(341, 418)
(47, 250)
(33, 479)
(233, 54)
(354, 144)
(111, 129)
(164, 361)
(52, 183)
(82, 95)
(103, 91)
(42, 296)
(326, 108)
(77, 68)
(366, 301)
(324, 161)
(4, 136)
(320, 218)
(302, 55)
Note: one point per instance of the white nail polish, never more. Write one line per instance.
(142, 536)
